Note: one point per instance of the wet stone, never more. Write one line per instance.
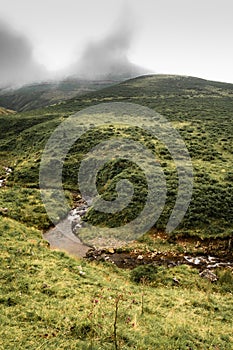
(208, 275)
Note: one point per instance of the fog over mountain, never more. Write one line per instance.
(108, 57)
(17, 65)
(98, 39)
(105, 58)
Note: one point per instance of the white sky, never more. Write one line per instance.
(189, 37)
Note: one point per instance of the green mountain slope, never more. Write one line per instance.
(200, 110)
(39, 95)
(171, 308)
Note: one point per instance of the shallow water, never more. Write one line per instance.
(65, 240)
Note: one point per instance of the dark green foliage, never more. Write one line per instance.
(144, 273)
(111, 174)
(226, 280)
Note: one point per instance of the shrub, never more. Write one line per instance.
(226, 281)
(144, 273)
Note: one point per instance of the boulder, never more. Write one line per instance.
(208, 275)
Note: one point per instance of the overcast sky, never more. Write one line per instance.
(188, 37)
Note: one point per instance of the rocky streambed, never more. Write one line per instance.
(65, 237)
(169, 259)
(3, 178)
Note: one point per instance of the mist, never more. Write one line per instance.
(17, 65)
(107, 58)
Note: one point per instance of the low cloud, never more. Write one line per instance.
(17, 65)
(108, 58)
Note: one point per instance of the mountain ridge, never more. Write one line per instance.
(34, 96)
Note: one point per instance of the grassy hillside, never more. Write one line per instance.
(39, 95)
(50, 300)
(200, 110)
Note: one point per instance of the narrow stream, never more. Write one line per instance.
(63, 237)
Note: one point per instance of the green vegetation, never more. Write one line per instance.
(50, 300)
(25, 205)
(200, 110)
(40, 95)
